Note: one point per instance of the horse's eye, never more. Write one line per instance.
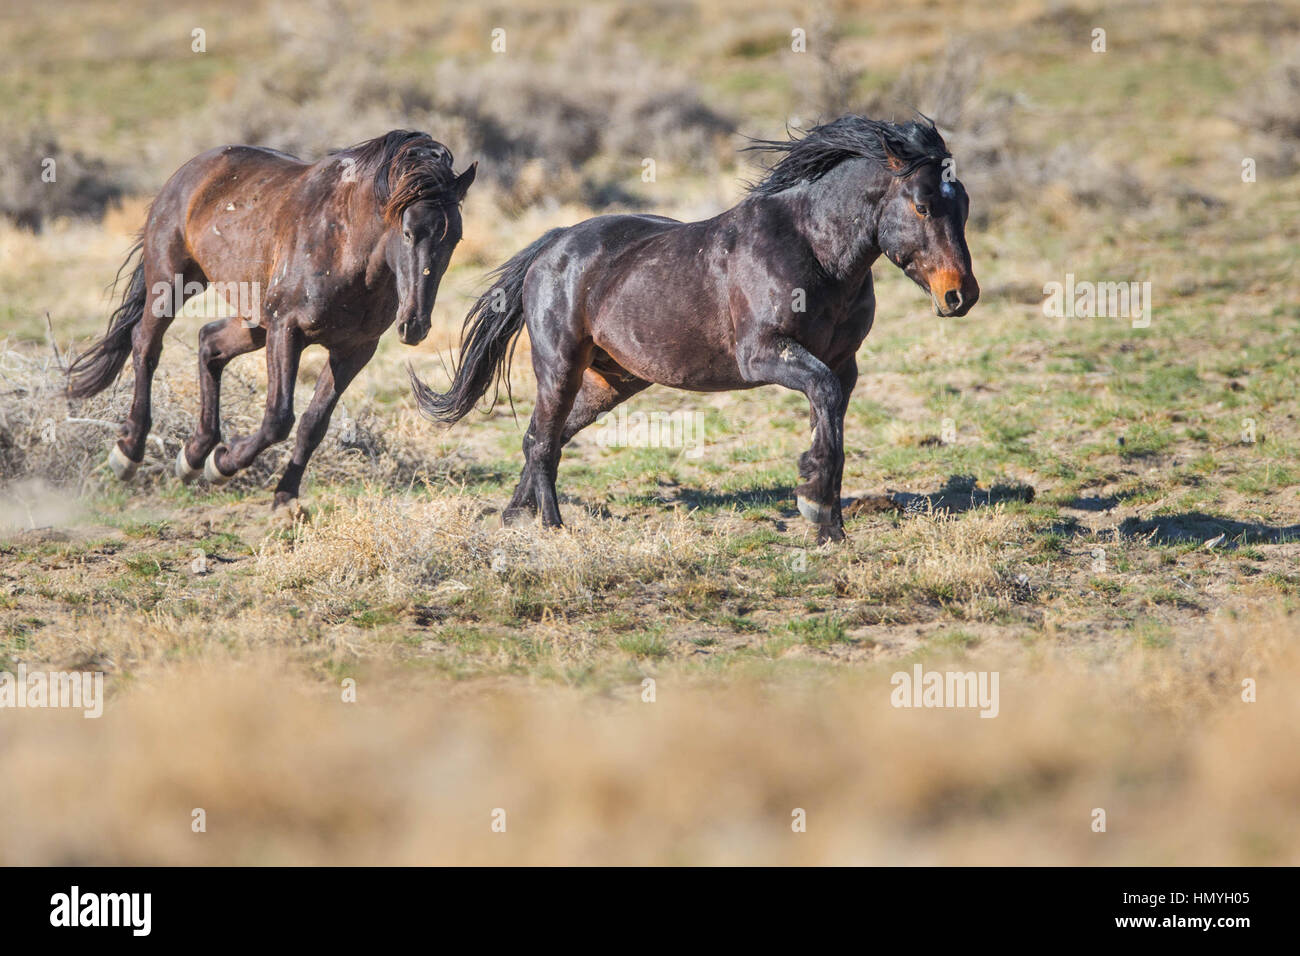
(922, 210)
(406, 234)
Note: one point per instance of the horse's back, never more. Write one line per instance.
(231, 204)
(615, 233)
(240, 169)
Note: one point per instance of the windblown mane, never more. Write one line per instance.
(824, 147)
(404, 167)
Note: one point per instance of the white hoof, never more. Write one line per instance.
(122, 466)
(817, 514)
(183, 470)
(210, 470)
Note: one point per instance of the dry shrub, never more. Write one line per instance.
(592, 100)
(1272, 109)
(942, 558)
(42, 438)
(582, 121)
(64, 444)
(324, 89)
(383, 546)
(83, 186)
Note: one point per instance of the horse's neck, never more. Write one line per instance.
(366, 215)
(366, 234)
(839, 215)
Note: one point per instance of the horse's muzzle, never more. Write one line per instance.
(956, 300)
(412, 332)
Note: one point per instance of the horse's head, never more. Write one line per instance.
(923, 231)
(424, 226)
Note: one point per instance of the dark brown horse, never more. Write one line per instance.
(776, 290)
(329, 254)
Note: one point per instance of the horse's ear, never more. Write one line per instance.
(464, 179)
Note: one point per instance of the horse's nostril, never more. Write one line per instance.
(952, 299)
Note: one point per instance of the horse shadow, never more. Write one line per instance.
(959, 493)
(1193, 526)
(770, 496)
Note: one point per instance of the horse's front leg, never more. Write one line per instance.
(283, 350)
(343, 366)
(848, 376)
(848, 379)
(778, 360)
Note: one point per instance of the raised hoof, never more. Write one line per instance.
(183, 470)
(517, 517)
(817, 514)
(122, 466)
(210, 470)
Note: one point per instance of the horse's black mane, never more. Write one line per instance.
(824, 147)
(405, 167)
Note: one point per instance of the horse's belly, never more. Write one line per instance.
(681, 357)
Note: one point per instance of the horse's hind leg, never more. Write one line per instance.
(165, 297)
(601, 391)
(283, 350)
(334, 379)
(604, 387)
(219, 342)
(559, 366)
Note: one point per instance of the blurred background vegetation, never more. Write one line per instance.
(584, 91)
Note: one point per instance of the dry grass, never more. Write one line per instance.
(396, 546)
(942, 559)
(708, 773)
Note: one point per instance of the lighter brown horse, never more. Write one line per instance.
(329, 253)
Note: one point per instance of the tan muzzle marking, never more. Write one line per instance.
(943, 280)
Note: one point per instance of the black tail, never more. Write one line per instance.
(97, 368)
(487, 342)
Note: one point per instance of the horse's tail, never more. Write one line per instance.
(487, 341)
(96, 368)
